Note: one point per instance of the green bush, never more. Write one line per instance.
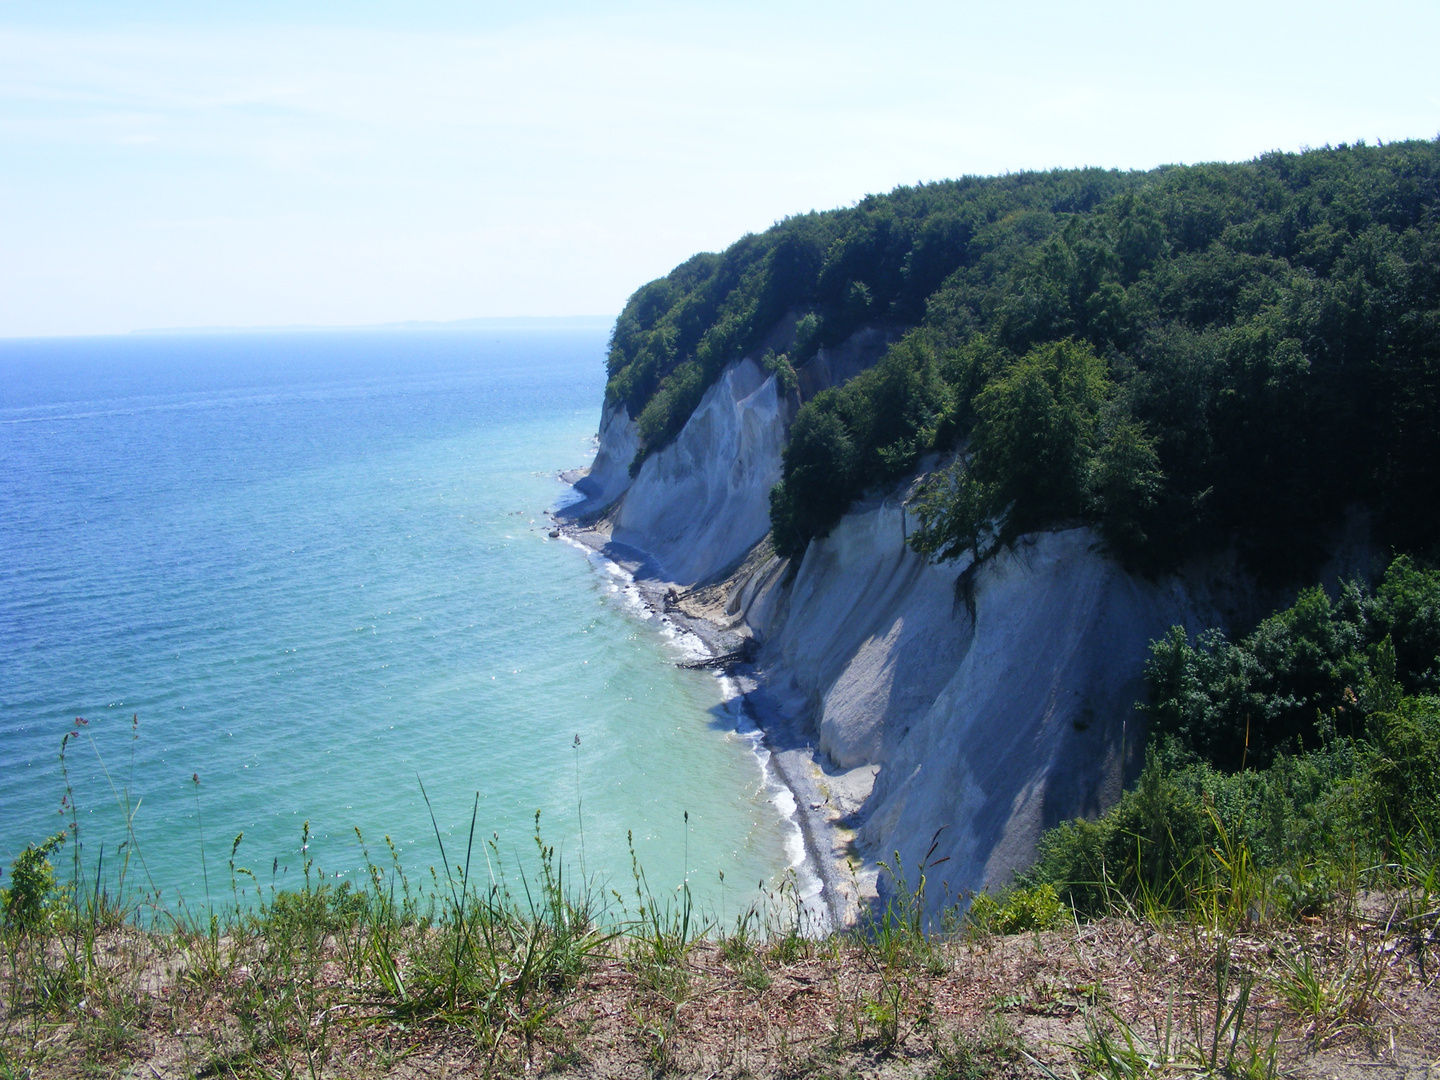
(1159, 844)
(1037, 449)
(1405, 769)
(1018, 910)
(1319, 668)
(867, 432)
(30, 898)
(1302, 745)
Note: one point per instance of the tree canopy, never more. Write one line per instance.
(1185, 358)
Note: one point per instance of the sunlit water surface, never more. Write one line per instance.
(315, 566)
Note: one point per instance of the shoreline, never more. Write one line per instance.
(789, 761)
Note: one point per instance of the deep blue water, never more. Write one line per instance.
(312, 571)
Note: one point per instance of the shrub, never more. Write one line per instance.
(1318, 669)
(1406, 766)
(1031, 456)
(1018, 910)
(29, 899)
(1160, 843)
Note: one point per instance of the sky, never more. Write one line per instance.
(168, 165)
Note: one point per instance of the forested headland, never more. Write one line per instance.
(1232, 358)
(1190, 357)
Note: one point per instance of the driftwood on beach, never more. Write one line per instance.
(742, 655)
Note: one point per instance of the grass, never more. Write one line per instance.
(325, 981)
(549, 972)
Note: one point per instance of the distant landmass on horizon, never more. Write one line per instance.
(490, 322)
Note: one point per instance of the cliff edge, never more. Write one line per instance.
(917, 709)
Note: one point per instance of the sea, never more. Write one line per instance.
(271, 602)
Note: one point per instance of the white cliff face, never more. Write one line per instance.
(986, 714)
(988, 727)
(701, 503)
(609, 474)
(698, 505)
(1036, 722)
(869, 634)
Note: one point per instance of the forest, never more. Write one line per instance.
(1188, 358)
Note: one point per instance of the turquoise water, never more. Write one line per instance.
(315, 567)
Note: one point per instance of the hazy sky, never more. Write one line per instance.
(350, 163)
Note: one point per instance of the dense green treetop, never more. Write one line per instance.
(1185, 358)
(878, 262)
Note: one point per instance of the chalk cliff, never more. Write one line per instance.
(702, 502)
(698, 505)
(973, 715)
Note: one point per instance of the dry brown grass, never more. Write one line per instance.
(166, 1006)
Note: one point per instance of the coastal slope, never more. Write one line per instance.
(1139, 399)
(942, 709)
